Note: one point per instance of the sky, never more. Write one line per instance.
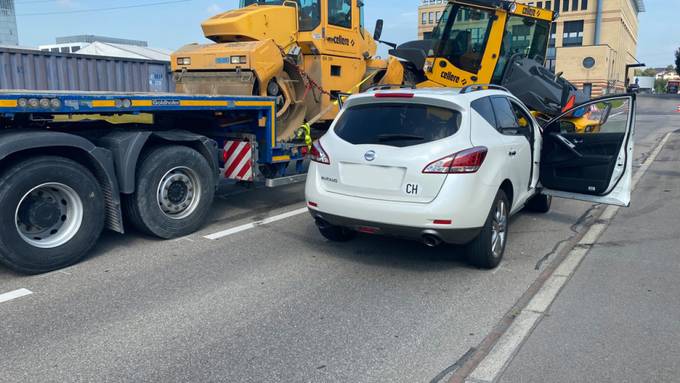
(171, 24)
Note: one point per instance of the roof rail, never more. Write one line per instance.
(391, 86)
(478, 87)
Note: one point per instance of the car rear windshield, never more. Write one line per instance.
(397, 125)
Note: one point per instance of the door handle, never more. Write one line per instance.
(565, 141)
(512, 153)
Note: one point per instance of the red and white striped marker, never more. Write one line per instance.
(678, 109)
(238, 159)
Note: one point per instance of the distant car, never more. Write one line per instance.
(451, 166)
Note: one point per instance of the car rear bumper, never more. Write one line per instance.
(462, 200)
(450, 236)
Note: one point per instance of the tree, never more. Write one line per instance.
(677, 61)
(660, 85)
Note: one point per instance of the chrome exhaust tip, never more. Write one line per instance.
(431, 240)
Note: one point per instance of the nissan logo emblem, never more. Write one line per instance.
(370, 155)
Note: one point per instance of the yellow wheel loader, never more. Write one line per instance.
(488, 42)
(301, 52)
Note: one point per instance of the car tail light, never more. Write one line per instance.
(442, 221)
(368, 229)
(394, 95)
(467, 161)
(318, 154)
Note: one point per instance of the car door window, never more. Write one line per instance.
(506, 120)
(484, 108)
(584, 151)
(524, 123)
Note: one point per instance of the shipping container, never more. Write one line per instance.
(37, 70)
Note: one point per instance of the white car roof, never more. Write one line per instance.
(444, 94)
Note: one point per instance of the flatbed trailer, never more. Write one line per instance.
(74, 163)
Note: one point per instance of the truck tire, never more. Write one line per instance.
(175, 188)
(486, 251)
(52, 214)
(540, 203)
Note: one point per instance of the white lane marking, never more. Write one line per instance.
(570, 264)
(500, 356)
(505, 348)
(252, 225)
(6, 297)
(547, 294)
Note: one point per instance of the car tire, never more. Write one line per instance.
(337, 233)
(52, 214)
(486, 251)
(540, 203)
(174, 191)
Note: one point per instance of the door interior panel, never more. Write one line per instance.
(586, 168)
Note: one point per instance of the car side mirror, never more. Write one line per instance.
(605, 116)
(377, 33)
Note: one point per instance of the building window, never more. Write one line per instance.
(584, 5)
(539, 4)
(427, 36)
(588, 62)
(430, 18)
(340, 13)
(588, 89)
(574, 5)
(573, 33)
(553, 35)
(548, 4)
(565, 5)
(557, 6)
(424, 18)
(551, 64)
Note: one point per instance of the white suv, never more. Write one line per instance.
(450, 166)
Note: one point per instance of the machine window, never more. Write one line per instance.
(463, 40)
(525, 37)
(340, 13)
(309, 16)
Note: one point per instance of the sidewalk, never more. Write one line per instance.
(618, 318)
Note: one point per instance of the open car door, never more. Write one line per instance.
(587, 153)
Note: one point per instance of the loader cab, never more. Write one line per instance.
(475, 41)
(309, 11)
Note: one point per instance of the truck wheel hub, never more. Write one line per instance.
(40, 213)
(49, 215)
(179, 193)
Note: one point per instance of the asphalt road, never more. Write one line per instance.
(617, 318)
(276, 303)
